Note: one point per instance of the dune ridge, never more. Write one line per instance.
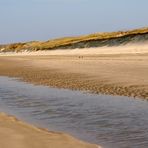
(87, 41)
(124, 49)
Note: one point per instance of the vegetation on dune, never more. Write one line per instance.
(92, 40)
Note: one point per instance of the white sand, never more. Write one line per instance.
(124, 49)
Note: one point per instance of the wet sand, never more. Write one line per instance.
(113, 74)
(16, 134)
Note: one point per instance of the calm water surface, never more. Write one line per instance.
(113, 122)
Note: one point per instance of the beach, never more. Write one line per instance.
(123, 74)
(73, 74)
(17, 134)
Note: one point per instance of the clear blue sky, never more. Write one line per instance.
(26, 20)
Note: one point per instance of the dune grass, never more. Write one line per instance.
(68, 41)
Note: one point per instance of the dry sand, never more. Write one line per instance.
(16, 134)
(124, 49)
(117, 74)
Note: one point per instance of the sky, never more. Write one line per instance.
(41, 20)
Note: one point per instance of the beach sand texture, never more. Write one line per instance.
(116, 74)
(16, 134)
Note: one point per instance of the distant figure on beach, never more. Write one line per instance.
(80, 57)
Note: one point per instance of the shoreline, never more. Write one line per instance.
(111, 74)
(114, 74)
(23, 135)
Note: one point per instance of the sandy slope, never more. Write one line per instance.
(125, 49)
(16, 134)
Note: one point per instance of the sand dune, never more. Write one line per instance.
(124, 49)
(91, 40)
